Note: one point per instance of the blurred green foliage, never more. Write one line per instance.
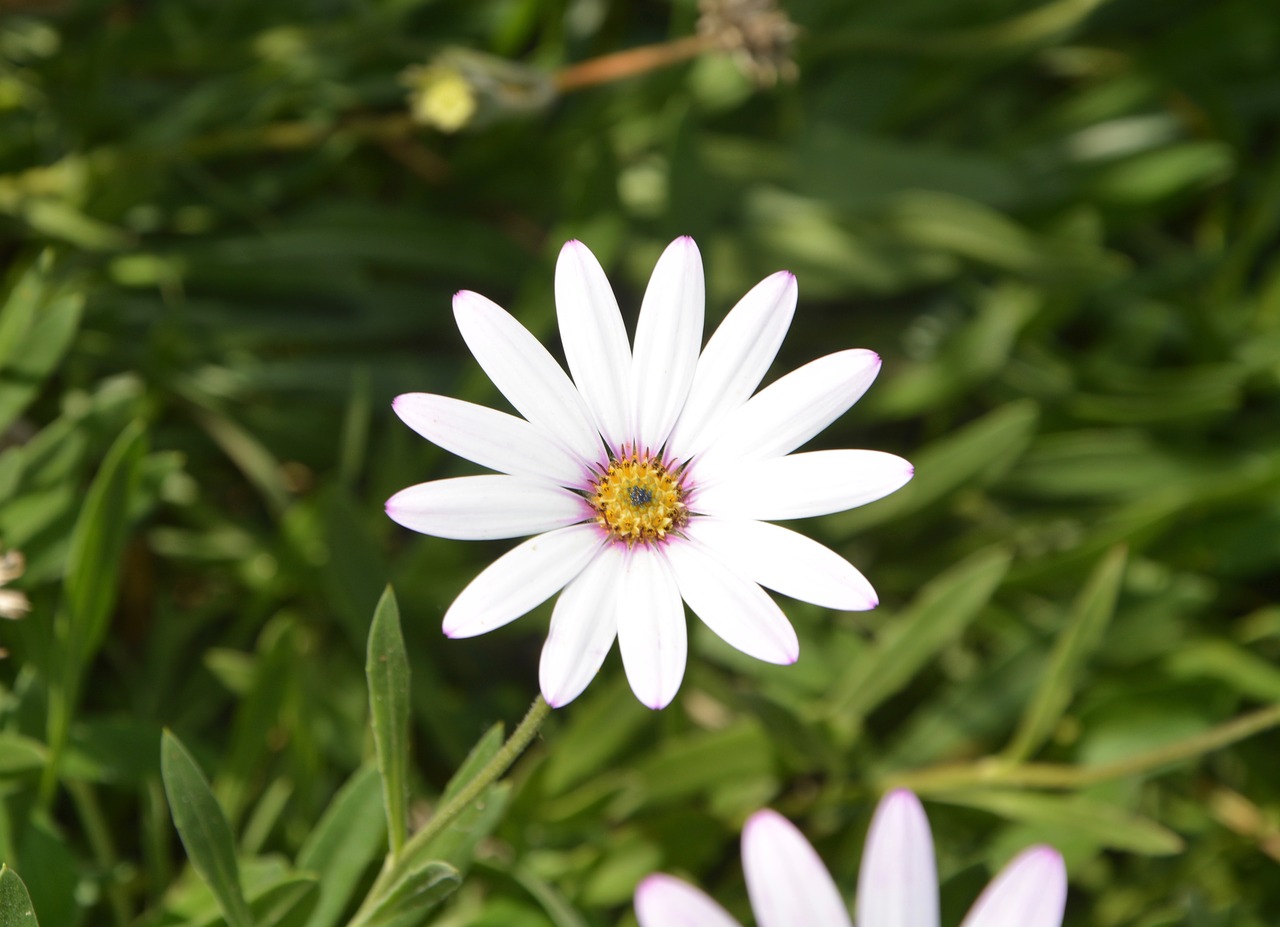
(227, 249)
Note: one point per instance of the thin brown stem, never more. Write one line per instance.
(629, 63)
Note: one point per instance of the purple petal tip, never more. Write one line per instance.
(554, 701)
(762, 818)
(1046, 854)
(902, 796)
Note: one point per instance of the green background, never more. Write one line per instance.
(227, 251)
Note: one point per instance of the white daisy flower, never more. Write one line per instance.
(897, 883)
(649, 478)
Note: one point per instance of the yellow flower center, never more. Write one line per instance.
(638, 499)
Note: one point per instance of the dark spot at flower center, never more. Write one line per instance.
(639, 496)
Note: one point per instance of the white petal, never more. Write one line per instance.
(802, 485)
(521, 579)
(490, 438)
(668, 336)
(1029, 892)
(898, 882)
(651, 629)
(665, 901)
(785, 561)
(526, 373)
(790, 411)
(583, 626)
(473, 508)
(788, 884)
(595, 341)
(734, 361)
(731, 605)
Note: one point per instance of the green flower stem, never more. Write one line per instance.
(507, 754)
(998, 771)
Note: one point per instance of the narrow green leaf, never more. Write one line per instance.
(343, 844)
(19, 312)
(1246, 672)
(286, 904)
(248, 453)
(203, 828)
(593, 736)
(15, 903)
(975, 453)
(19, 755)
(387, 668)
(420, 889)
(486, 748)
(561, 913)
(38, 322)
(701, 762)
(1089, 617)
(935, 618)
(1101, 823)
(97, 541)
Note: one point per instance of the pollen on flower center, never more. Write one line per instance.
(639, 499)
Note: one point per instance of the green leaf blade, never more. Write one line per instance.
(203, 828)
(1090, 614)
(935, 618)
(420, 889)
(92, 577)
(15, 903)
(387, 670)
(345, 841)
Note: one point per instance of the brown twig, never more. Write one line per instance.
(629, 63)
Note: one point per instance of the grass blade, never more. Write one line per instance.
(936, 617)
(1089, 616)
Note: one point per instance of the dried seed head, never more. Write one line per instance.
(756, 33)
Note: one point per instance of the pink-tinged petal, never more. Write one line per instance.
(731, 605)
(476, 508)
(734, 361)
(788, 884)
(651, 630)
(789, 411)
(802, 485)
(490, 438)
(785, 561)
(665, 901)
(526, 373)
(522, 579)
(595, 341)
(668, 337)
(898, 881)
(1029, 892)
(583, 626)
